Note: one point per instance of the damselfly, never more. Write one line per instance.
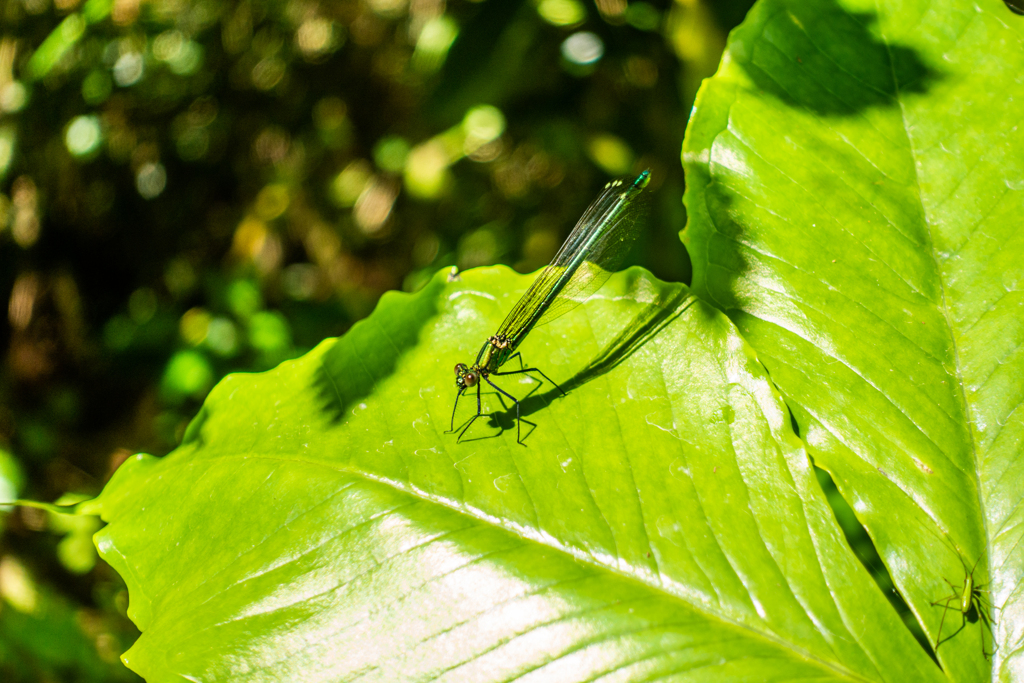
(594, 249)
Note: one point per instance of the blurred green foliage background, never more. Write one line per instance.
(195, 187)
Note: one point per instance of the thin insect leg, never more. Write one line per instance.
(546, 377)
(986, 626)
(983, 607)
(519, 422)
(518, 355)
(538, 370)
(946, 608)
(519, 372)
(479, 411)
(454, 408)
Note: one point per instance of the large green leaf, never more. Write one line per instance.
(856, 197)
(661, 521)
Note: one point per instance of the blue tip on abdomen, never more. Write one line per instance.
(642, 179)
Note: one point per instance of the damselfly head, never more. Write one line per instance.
(464, 377)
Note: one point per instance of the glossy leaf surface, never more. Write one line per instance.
(856, 194)
(661, 522)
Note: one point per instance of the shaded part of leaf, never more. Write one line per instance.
(818, 55)
(359, 359)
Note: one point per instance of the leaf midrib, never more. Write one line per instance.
(530, 536)
(944, 307)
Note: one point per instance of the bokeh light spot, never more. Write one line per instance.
(390, 153)
(435, 40)
(562, 12)
(193, 144)
(13, 97)
(151, 179)
(194, 326)
(300, 281)
(329, 113)
(425, 249)
(271, 202)
(267, 73)
(481, 125)
(316, 37)
(583, 48)
(244, 298)
(611, 153)
(611, 10)
(167, 45)
(96, 87)
(249, 237)
(269, 333)
(16, 585)
(128, 69)
(118, 333)
(388, 8)
(349, 184)
(142, 305)
(271, 145)
(7, 138)
(83, 136)
(26, 225)
(180, 276)
(374, 205)
(188, 374)
(222, 337)
(479, 248)
(426, 170)
(643, 16)
(76, 552)
(187, 60)
(22, 303)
